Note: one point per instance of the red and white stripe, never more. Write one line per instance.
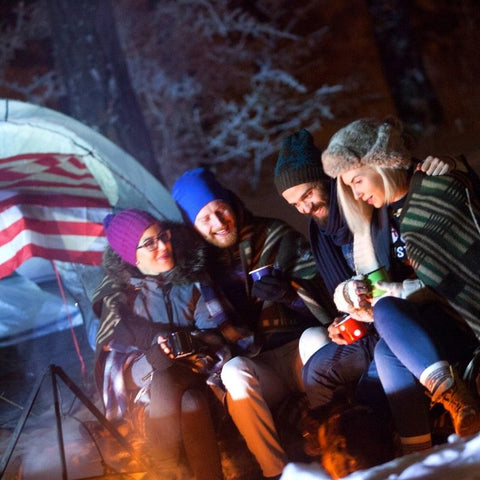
(52, 207)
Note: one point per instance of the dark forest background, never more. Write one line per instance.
(179, 83)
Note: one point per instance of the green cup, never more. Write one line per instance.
(379, 275)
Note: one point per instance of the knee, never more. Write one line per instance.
(311, 340)
(193, 401)
(384, 310)
(238, 373)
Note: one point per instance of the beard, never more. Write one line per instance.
(322, 219)
(225, 241)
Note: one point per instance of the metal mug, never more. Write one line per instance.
(180, 343)
(351, 329)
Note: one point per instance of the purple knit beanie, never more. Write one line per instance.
(124, 231)
(195, 188)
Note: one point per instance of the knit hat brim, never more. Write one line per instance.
(195, 189)
(125, 229)
(299, 161)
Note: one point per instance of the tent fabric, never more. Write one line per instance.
(27, 128)
(50, 207)
(58, 179)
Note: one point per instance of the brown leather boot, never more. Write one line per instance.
(462, 406)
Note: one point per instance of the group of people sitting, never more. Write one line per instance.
(183, 323)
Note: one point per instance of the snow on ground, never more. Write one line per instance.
(459, 460)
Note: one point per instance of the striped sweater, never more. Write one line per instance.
(440, 224)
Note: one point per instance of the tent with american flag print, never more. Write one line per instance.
(58, 180)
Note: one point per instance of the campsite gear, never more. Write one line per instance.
(260, 272)
(58, 180)
(378, 275)
(180, 343)
(352, 329)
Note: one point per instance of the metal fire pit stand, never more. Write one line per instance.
(55, 371)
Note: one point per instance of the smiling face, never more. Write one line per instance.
(367, 185)
(154, 255)
(309, 199)
(216, 223)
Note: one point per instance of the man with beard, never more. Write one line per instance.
(301, 181)
(337, 367)
(279, 307)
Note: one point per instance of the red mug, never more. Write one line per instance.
(351, 329)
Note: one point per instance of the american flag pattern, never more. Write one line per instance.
(52, 207)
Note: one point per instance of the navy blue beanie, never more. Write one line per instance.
(195, 188)
(299, 161)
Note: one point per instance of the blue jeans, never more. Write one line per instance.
(335, 369)
(414, 337)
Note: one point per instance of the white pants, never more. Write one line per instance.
(254, 385)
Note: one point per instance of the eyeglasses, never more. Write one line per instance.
(151, 244)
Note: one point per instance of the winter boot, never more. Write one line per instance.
(462, 406)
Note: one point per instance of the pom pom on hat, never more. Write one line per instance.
(299, 161)
(367, 142)
(125, 229)
(195, 189)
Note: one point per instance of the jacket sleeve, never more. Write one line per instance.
(294, 256)
(131, 332)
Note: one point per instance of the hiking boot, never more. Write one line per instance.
(463, 408)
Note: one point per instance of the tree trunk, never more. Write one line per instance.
(416, 102)
(99, 91)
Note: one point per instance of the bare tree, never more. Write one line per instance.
(97, 83)
(413, 94)
(217, 80)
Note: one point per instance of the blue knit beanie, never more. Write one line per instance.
(299, 161)
(195, 188)
(125, 229)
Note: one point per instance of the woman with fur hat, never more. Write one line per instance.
(155, 285)
(431, 256)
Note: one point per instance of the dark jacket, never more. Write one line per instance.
(263, 241)
(134, 309)
(326, 243)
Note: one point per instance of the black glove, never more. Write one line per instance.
(274, 289)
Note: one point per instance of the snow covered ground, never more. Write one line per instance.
(457, 460)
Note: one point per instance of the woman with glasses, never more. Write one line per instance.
(155, 286)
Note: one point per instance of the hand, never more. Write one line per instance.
(436, 166)
(274, 289)
(352, 295)
(401, 289)
(334, 332)
(163, 345)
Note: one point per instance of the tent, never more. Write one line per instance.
(58, 179)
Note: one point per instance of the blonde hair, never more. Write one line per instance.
(358, 213)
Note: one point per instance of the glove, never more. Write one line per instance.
(347, 296)
(351, 297)
(401, 289)
(274, 289)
